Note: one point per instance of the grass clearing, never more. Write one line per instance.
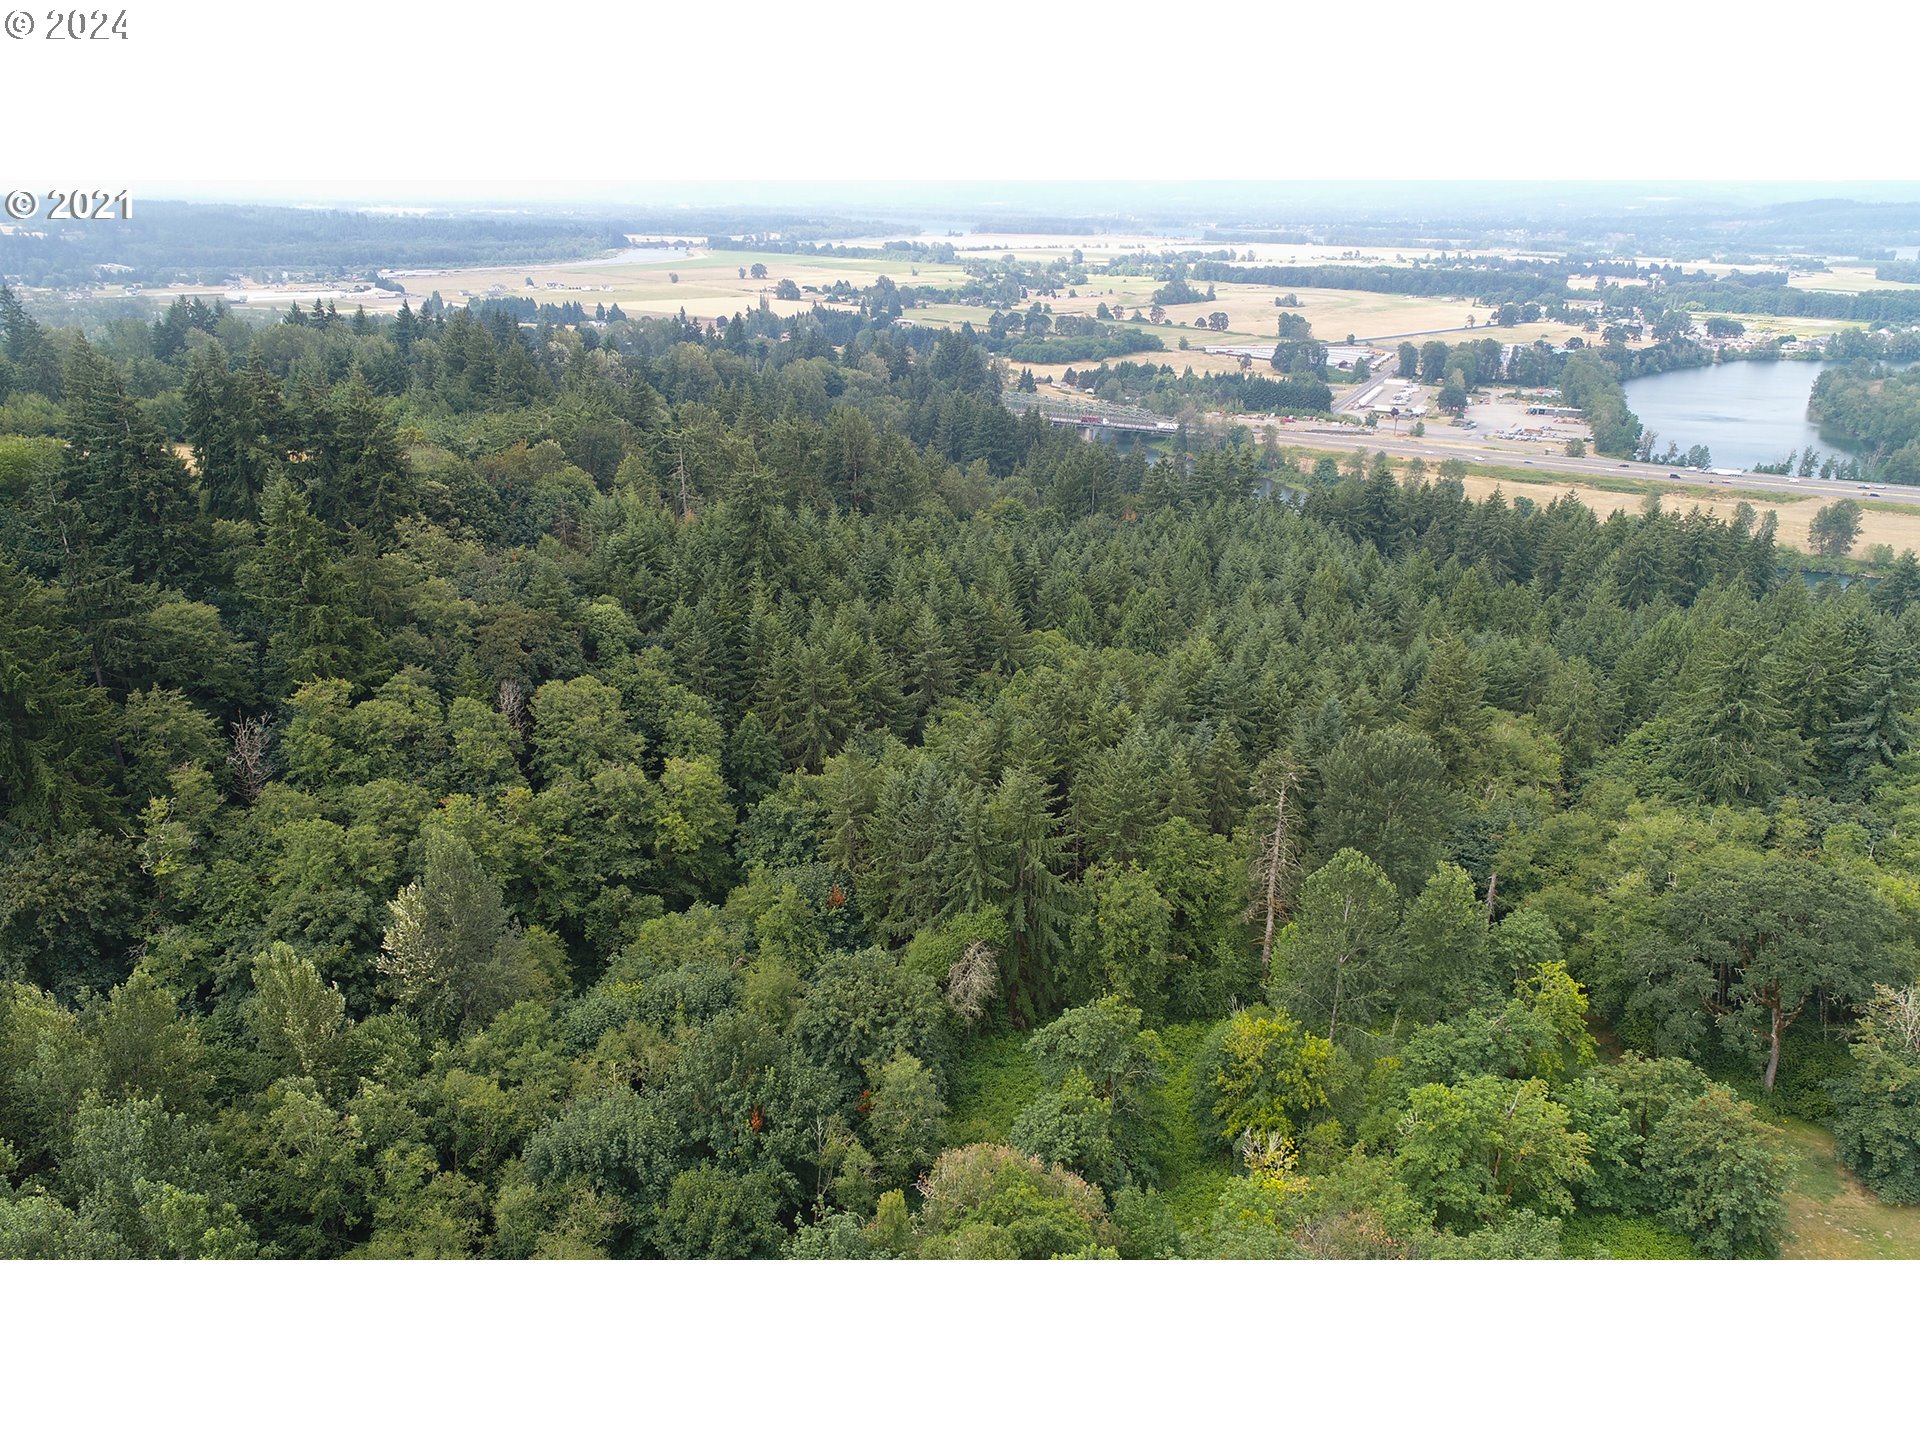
(994, 1081)
(1830, 1214)
(1779, 327)
(1193, 1171)
(1622, 1237)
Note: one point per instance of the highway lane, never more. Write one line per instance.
(1489, 450)
(1360, 396)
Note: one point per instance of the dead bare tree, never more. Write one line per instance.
(972, 980)
(1896, 1015)
(513, 704)
(1279, 858)
(248, 757)
(680, 474)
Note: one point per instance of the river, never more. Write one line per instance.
(1747, 412)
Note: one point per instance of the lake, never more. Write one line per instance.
(1747, 412)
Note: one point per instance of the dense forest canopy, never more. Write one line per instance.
(1876, 411)
(473, 788)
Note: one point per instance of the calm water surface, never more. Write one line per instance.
(1747, 412)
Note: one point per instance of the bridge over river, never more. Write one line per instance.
(1095, 419)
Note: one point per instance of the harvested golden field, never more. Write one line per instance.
(1849, 279)
(709, 285)
(1897, 526)
(1252, 314)
(1253, 318)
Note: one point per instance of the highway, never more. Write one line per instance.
(1488, 450)
(1357, 399)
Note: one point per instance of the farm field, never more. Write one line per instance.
(711, 281)
(1852, 280)
(274, 299)
(709, 284)
(1334, 314)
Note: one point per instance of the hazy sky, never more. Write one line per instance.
(403, 102)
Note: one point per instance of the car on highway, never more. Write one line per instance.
(1673, 474)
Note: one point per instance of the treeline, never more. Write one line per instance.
(1255, 237)
(1099, 342)
(891, 250)
(1544, 284)
(1894, 346)
(205, 244)
(1487, 284)
(1593, 385)
(1158, 387)
(685, 790)
(1869, 307)
(525, 309)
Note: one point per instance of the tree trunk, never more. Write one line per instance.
(1773, 1057)
(1276, 862)
(680, 471)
